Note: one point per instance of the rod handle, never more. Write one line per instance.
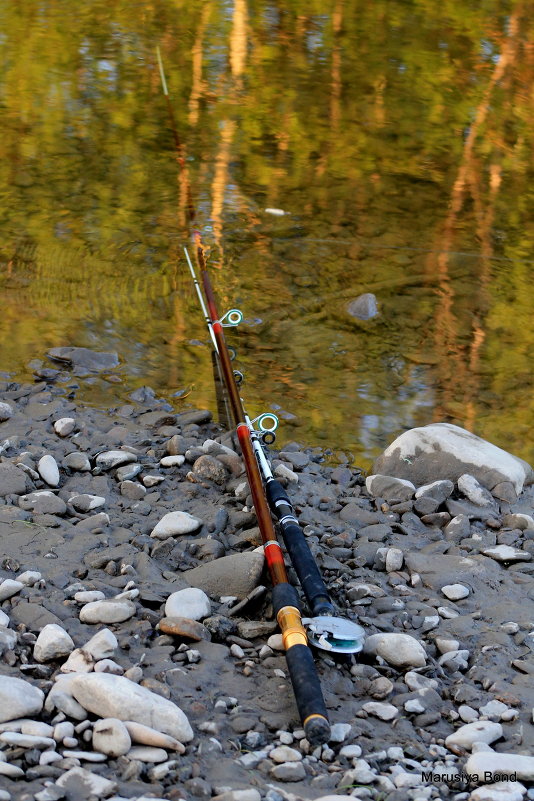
(308, 694)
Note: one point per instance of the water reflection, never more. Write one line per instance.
(397, 140)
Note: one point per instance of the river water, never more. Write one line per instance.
(394, 136)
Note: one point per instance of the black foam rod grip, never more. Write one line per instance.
(308, 694)
(309, 574)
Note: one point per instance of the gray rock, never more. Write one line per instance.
(499, 791)
(364, 307)
(236, 575)
(381, 710)
(19, 699)
(480, 731)
(191, 603)
(209, 468)
(488, 763)
(77, 461)
(112, 610)
(446, 451)
(110, 459)
(474, 491)
(9, 587)
(505, 553)
(6, 411)
(111, 737)
(43, 502)
(84, 360)
(79, 783)
(86, 503)
(12, 480)
(438, 490)
(53, 642)
(175, 523)
(107, 695)
(400, 650)
(289, 772)
(389, 488)
(455, 592)
(64, 426)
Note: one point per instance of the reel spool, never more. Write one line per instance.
(335, 634)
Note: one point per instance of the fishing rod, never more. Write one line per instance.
(300, 662)
(325, 630)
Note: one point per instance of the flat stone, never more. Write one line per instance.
(84, 360)
(184, 627)
(499, 791)
(400, 650)
(110, 459)
(175, 460)
(446, 451)
(283, 753)
(43, 502)
(88, 596)
(19, 699)
(480, 731)
(13, 480)
(389, 488)
(289, 772)
(53, 642)
(381, 710)
(191, 602)
(132, 490)
(112, 610)
(455, 592)
(506, 553)
(175, 523)
(111, 737)
(20, 740)
(489, 763)
(107, 695)
(235, 575)
(79, 783)
(147, 753)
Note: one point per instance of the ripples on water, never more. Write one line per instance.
(395, 138)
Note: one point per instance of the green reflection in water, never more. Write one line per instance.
(395, 135)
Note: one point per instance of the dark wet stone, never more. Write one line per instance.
(84, 360)
(375, 533)
(425, 506)
(33, 615)
(143, 395)
(341, 475)
(438, 519)
(156, 419)
(220, 626)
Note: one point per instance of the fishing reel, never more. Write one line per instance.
(335, 634)
(267, 424)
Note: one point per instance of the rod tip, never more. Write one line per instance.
(317, 730)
